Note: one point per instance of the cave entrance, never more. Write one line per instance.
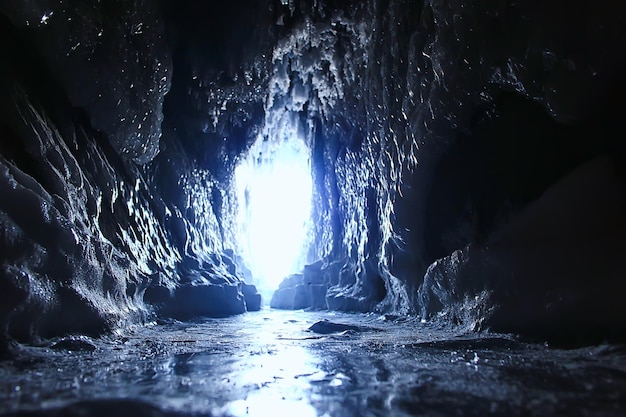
(274, 187)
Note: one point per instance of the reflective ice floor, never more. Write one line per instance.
(269, 364)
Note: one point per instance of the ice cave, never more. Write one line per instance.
(312, 208)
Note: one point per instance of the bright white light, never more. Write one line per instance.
(274, 197)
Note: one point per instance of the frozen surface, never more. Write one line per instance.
(269, 364)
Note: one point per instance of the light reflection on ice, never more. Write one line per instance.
(282, 374)
(260, 405)
(286, 368)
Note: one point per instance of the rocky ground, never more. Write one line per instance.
(295, 363)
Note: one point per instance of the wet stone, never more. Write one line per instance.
(327, 327)
(207, 300)
(268, 363)
(74, 343)
(251, 297)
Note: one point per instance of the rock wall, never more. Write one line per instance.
(553, 272)
(97, 232)
(441, 124)
(432, 126)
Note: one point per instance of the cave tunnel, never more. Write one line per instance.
(312, 208)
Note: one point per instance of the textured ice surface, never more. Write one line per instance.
(268, 364)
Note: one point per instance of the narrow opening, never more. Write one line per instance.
(274, 187)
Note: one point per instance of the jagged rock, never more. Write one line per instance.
(206, 300)
(251, 297)
(14, 289)
(158, 295)
(340, 299)
(301, 291)
(312, 274)
(291, 294)
(282, 298)
(456, 289)
(359, 288)
(335, 286)
(328, 327)
(75, 344)
(552, 272)
(318, 296)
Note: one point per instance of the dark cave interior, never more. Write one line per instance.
(467, 163)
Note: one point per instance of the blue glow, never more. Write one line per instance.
(274, 198)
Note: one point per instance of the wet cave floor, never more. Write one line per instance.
(269, 364)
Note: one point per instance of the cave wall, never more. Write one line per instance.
(442, 124)
(432, 125)
(98, 231)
